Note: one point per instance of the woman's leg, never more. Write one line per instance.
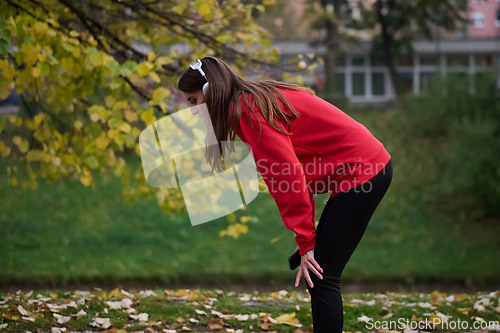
(341, 227)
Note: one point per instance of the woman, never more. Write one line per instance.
(301, 145)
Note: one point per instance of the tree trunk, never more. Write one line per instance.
(330, 60)
(388, 50)
(331, 49)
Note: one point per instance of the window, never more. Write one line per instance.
(497, 21)
(358, 61)
(428, 60)
(477, 19)
(378, 84)
(339, 84)
(377, 60)
(457, 60)
(358, 84)
(462, 32)
(483, 60)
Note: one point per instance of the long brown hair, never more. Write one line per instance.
(225, 88)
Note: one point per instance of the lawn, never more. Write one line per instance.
(220, 310)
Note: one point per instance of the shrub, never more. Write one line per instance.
(464, 114)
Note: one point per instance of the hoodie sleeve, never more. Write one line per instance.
(283, 174)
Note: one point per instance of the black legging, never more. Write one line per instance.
(340, 228)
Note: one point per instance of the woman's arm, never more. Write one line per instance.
(283, 174)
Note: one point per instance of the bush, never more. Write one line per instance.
(468, 125)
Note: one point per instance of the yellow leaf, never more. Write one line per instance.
(435, 319)
(67, 63)
(116, 293)
(75, 52)
(4, 63)
(179, 9)
(245, 219)
(164, 60)
(2, 146)
(268, 2)
(148, 116)
(120, 105)
(9, 316)
(97, 112)
(144, 68)
(14, 181)
(29, 54)
(94, 117)
(154, 77)
(35, 71)
(231, 217)
(151, 56)
(78, 125)
(275, 239)
(6, 152)
(53, 295)
(40, 27)
(9, 73)
(466, 310)
(131, 116)
(86, 179)
(102, 142)
(109, 101)
(124, 127)
(235, 230)
(24, 146)
(159, 94)
(77, 70)
(204, 9)
(4, 90)
(288, 319)
(17, 140)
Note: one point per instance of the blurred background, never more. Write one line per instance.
(80, 80)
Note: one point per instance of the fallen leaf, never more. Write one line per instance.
(57, 329)
(101, 322)
(140, 317)
(22, 311)
(364, 319)
(464, 311)
(61, 319)
(123, 304)
(215, 323)
(288, 319)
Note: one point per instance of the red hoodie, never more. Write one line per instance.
(327, 151)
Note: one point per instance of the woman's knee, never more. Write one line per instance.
(324, 288)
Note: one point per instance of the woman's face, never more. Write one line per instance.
(194, 98)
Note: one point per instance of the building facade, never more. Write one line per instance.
(362, 78)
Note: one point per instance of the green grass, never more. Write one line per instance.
(65, 233)
(196, 309)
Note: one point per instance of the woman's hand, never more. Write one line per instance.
(307, 262)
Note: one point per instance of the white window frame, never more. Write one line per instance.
(477, 17)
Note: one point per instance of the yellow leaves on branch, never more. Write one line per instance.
(144, 68)
(22, 144)
(159, 96)
(204, 7)
(148, 116)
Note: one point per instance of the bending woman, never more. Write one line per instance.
(302, 145)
